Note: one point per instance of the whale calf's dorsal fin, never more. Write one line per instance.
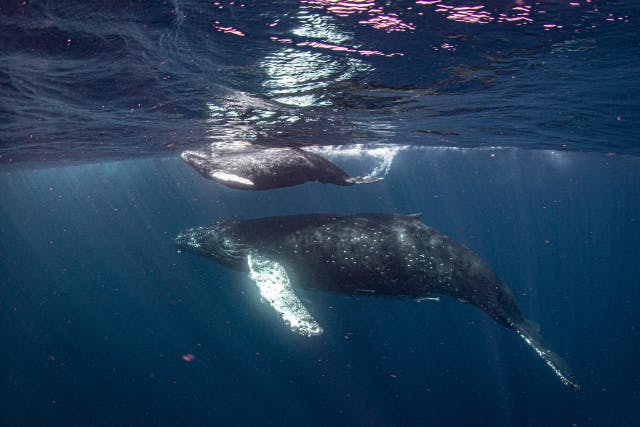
(275, 287)
(415, 216)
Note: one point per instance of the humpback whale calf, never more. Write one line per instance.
(254, 167)
(381, 254)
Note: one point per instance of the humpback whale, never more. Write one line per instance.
(380, 254)
(254, 167)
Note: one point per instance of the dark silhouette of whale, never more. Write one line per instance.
(363, 253)
(254, 167)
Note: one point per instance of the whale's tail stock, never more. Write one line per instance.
(529, 332)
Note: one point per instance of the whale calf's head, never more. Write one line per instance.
(216, 242)
(195, 158)
(218, 167)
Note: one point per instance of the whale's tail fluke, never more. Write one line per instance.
(528, 331)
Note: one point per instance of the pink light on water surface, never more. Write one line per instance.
(281, 40)
(388, 23)
(340, 8)
(227, 30)
(519, 15)
(338, 48)
(470, 14)
(375, 14)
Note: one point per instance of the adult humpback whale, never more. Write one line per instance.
(254, 167)
(363, 253)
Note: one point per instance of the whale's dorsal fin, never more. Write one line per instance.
(275, 287)
(415, 216)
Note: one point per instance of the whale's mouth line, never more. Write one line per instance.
(237, 252)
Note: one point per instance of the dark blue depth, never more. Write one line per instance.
(98, 308)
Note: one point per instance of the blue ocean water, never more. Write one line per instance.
(518, 128)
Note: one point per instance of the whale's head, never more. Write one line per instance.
(200, 160)
(217, 242)
(210, 164)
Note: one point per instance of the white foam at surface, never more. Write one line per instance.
(384, 153)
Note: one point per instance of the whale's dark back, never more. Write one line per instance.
(266, 167)
(377, 254)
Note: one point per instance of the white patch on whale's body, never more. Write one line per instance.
(229, 177)
(275, 287)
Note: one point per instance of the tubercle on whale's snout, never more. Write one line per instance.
(180, 241)
(188, 240)
(194, 158)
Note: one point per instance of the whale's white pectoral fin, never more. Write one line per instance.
(229, 177)
(434, 299)
(275, 287)
(363, 179)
